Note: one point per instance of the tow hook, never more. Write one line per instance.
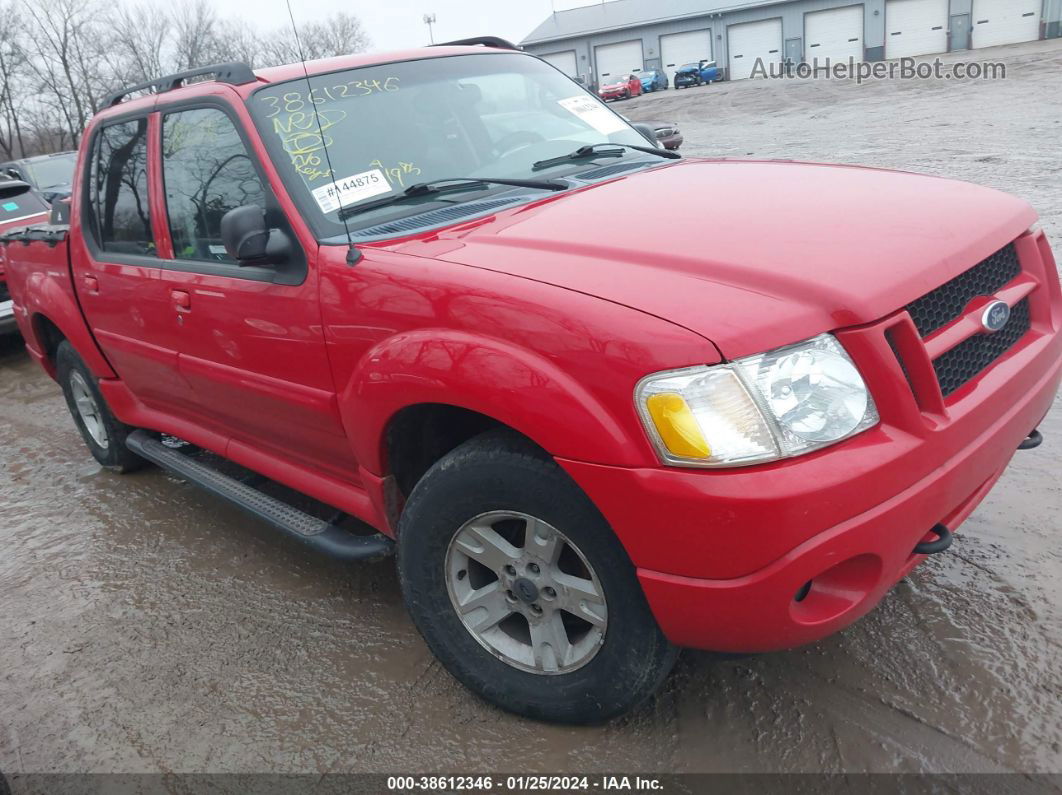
(1034, 439)
(944, 539)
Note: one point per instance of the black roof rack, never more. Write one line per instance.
(486, 41)
(236, 74)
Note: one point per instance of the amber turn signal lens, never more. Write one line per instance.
(677, 426)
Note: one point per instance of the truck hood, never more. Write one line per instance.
(748, 254)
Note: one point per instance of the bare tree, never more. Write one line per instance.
(58, 58)
(196, 35)
(340, 34)
(141, 35)
(61, 42)
(12, 83)
(237, 41)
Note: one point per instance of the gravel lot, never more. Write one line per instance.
(148, 628)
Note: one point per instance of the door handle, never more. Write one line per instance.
(181, 300)
(92, 284)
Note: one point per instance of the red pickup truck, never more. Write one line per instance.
(387, 285)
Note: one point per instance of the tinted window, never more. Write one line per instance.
(118, 187)
(19, 203)
(207, 172)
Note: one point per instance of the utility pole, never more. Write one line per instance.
(429, 20)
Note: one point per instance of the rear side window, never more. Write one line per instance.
(207, 172)
(118, 189)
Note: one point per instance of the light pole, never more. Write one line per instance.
(429, 20)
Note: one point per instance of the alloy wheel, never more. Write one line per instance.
(526, 593)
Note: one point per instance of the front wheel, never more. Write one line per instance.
(103, 433)
(521, 589)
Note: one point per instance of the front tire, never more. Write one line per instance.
(103, 433)
(521, 589)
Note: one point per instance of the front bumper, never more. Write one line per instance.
(721, 554)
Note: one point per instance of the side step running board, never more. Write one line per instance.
(321, 535)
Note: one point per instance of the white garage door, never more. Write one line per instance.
(692, 46)
(835, 35)
(915, 27)
(565, 61)
(751, 41)
(1005, 22)
(614, 60)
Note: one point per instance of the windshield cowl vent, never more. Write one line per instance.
(607, 171)
(440, 216)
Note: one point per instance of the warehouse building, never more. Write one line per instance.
(608, 39)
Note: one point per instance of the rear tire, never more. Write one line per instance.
(498, 498)
(103, 433)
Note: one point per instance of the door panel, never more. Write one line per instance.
(116, 272)
(252, 350)
(959, 32)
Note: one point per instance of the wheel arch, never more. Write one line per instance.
(481, 383)
(54, 315)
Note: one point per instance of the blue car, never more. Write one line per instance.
(652, 80)
(697, 74)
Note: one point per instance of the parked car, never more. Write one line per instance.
(697, 74)
(667, 134)
(652, 80)
(592, 442)
(623, 87)
(49, 175)
(19, 206)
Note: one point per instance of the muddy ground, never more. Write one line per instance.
(146, 627)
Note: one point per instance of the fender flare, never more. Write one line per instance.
(512, 385)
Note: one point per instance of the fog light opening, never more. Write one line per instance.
(803, 592)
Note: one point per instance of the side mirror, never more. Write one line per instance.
(245, 234)
(648, 132)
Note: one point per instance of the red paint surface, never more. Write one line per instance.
(546, 322)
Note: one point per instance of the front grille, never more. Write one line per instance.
(938, 308)
(975, 354)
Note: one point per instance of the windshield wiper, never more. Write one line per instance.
(449, 185)
(597, 150)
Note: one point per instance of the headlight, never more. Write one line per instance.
(773, 405)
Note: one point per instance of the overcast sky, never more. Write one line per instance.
(396, 24)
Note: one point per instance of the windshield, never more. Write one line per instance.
(53, 172)
(390, 126)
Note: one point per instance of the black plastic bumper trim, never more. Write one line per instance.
(944, 539)
(1034, 439)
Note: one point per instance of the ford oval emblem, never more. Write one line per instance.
(995, 316)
